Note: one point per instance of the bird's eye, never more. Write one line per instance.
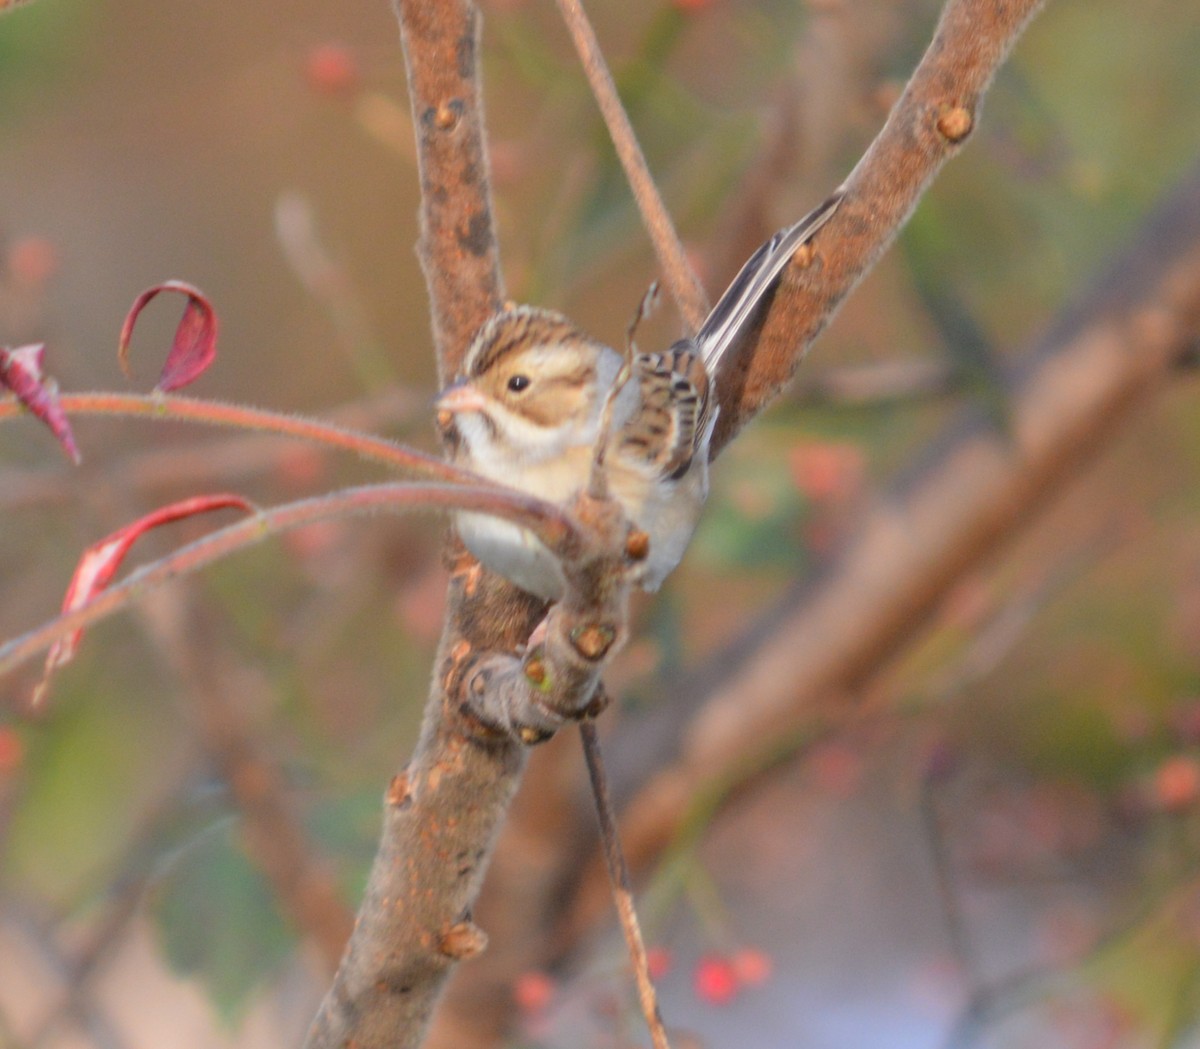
(518, 383)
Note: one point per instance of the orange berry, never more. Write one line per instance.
(534, 991)
(32, 260)
(1177, 783)
(12, 750)
(751, 966)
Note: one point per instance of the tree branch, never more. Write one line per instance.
(457, 248)
(444, 810)
(272, 833)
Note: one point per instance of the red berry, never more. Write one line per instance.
(332, 69)
(827, 471)
(715, 980)
(32, 260)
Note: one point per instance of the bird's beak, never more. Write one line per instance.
(459, 397)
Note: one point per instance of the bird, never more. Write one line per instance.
(535, 395)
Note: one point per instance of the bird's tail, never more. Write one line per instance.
(735, 309)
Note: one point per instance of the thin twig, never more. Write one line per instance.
(618, 873)
(221, 459)
(326, 280)
(876, 383)
(1008, 993)
(80, 965)
(685, 287)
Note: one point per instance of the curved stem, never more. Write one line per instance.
(551, 524)
(218, 413)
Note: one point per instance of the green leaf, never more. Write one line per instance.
(218, 922)
(90, 777)
(753, 522)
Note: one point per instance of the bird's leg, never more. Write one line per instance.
(556, 678)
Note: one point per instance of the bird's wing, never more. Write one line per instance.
(673, 387)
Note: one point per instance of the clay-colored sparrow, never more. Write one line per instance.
(532, 398)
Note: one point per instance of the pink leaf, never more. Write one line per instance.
(21, 372)
(101, 560)
(195, 344)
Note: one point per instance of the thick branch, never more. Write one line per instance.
(458, 239)
(884, 189)
(442, 813)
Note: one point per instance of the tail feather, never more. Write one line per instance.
(734, 310)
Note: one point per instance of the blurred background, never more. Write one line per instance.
(996, 844)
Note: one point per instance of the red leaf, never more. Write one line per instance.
(21, 372)
(195, 344)
(101, 560)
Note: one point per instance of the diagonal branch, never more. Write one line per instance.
(928, 125)
(272, 831)
(1103, 360)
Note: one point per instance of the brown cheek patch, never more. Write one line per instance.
(552, 403)
(562, 396)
